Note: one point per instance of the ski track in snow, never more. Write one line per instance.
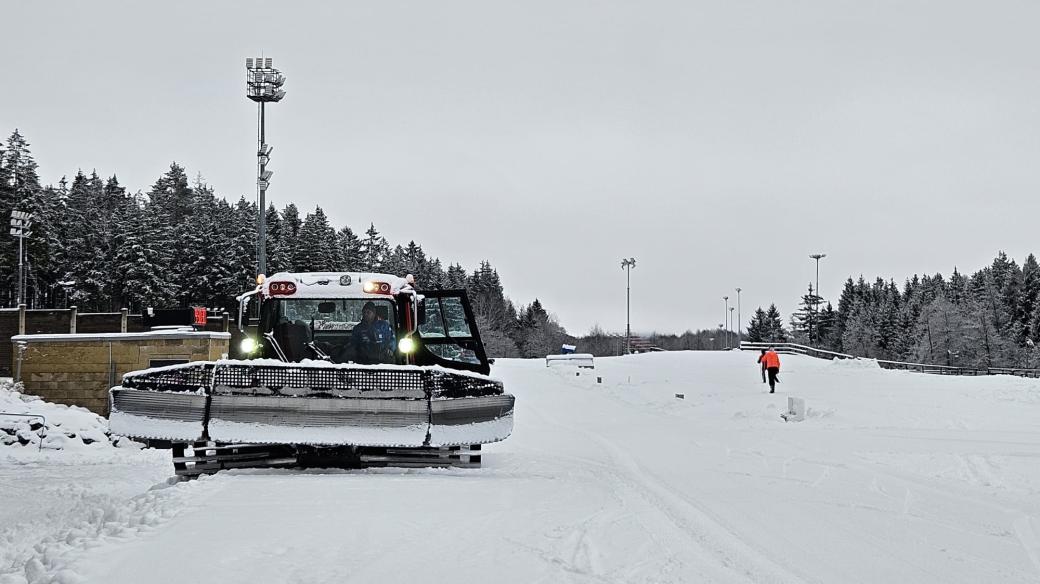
(892, 477)
(738, 562)
(76, 516)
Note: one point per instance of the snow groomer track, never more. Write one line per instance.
(226, 410)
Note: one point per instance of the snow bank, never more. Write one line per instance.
(67, 427)
(854, 364)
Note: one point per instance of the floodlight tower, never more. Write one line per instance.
(627, 265)
(726, 317)
(20, 224)
(263, 85)
(740, 323)
(817, 297)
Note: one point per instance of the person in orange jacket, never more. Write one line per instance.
(772, 364)
(762, 364)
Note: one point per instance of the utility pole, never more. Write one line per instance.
(627, 265)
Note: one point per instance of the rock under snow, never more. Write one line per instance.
(67, 427)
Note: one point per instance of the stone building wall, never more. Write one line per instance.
(79, 369)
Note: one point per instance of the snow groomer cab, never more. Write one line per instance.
(321, 316)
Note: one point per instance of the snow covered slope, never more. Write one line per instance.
(892, 477)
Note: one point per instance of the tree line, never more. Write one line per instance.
(988, 319)
(100, 247)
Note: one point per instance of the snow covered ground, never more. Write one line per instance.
(892, 477)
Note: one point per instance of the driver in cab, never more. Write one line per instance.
(372, 338)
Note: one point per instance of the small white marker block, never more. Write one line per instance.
(795, 410)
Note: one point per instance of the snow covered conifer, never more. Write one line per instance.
(374, 250)
(455, 278)
(318, 249)
(774, 331)
(289, 242)
(277, 254)
(141, 262)
(805, 321)
(757, 328)
(349, 249)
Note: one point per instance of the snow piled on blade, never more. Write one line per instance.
(310, 363)
(156, 428)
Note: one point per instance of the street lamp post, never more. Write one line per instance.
(20, 224)
(740, 323)
(816, 299)
(732, 325)
(726, 318)
(263, 85)
(627, 265)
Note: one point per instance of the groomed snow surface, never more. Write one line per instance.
(892, 477)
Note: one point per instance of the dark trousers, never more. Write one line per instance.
(763, 374)
(773, 379)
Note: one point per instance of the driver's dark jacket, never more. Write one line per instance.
(373, 343)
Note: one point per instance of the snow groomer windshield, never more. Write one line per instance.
(349, 330)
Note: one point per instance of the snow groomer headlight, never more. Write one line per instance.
(406, 345)
(373, 287)
(248, 346)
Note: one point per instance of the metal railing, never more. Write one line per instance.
(794, 348)
(43, 428)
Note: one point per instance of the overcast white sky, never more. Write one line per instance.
(718, 143)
